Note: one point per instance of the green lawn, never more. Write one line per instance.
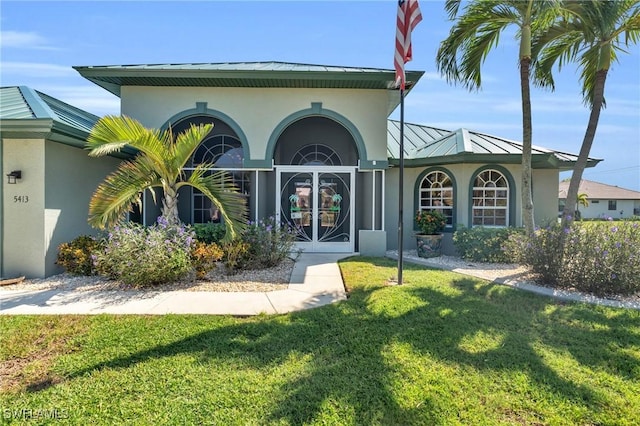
(441, 349)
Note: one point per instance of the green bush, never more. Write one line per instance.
(204, 257)
(269, 243)
(235, 255)
(209, 232)
(601, 258)
(541, 251)
(78, 256)
(484, 244)
(142, 256)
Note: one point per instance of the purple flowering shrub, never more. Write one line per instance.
(142, 256)
(269, 243)
(602, 258)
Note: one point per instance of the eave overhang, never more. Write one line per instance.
(538, 161)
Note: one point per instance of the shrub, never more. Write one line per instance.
(204, 257)
(235, 255)
(269, 243)
(77, 257)
(542, 251)
(209, 232)
(484, 244)
(601, 258)
(430, 222)
(142, 256)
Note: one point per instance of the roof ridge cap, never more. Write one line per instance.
(36, 104)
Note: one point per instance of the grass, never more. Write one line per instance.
(441, 349)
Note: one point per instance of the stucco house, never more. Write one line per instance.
(604, 200)
(310, 144)
(48, 202)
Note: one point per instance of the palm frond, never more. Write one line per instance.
(186, 143)
(219, 188)
(476, 32)
(452, 7)
(112, 133)
(113, 197)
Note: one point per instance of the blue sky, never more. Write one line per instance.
(41, 41)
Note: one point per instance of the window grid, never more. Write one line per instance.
(224, 152)
(490, 200)
(316, 155)
(436, 193)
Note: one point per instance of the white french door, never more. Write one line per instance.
(318, 203)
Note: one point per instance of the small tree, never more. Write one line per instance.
(583, 201)
(159, 163)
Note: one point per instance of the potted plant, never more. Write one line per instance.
(431, 223)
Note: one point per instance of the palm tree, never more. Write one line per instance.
(158, 164)
(477, 31)
(583, 201)
(593, 34)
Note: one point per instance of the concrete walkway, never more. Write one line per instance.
(315, 281)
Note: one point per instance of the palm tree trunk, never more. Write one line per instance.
(170, 205)
(527, 135)
(587, 142)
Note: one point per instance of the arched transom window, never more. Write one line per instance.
(490, 199)
(316, 155)
(223, 152)
(436, 193)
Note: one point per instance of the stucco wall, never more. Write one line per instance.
(71, 179)
(601, 209)
(259, 111)
(545, 195)
(23, 219)
(545, 198)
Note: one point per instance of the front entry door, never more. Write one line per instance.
(318, 205)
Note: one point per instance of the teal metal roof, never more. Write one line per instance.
(13, 105)
(24, 103)
(243, 74)
(27, 113)
(65, 113)
(424, 145)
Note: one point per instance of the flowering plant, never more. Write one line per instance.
(430, 222)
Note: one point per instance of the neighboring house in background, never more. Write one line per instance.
(311, 144)
(604, 200)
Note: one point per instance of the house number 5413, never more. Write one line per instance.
(20, 198)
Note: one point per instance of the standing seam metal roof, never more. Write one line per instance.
(21, 102)
(424, 142)
(243, 74)
(13, 105)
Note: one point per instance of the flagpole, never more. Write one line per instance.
(409, 16)
(401, 190)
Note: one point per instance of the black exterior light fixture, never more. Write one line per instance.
(14, 176)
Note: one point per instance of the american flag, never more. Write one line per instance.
(409, 16)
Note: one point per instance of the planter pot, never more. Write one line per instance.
(429, 245)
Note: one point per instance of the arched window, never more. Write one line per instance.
(223, 152)
(490, 202)
(436, 193)
(316, 155)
